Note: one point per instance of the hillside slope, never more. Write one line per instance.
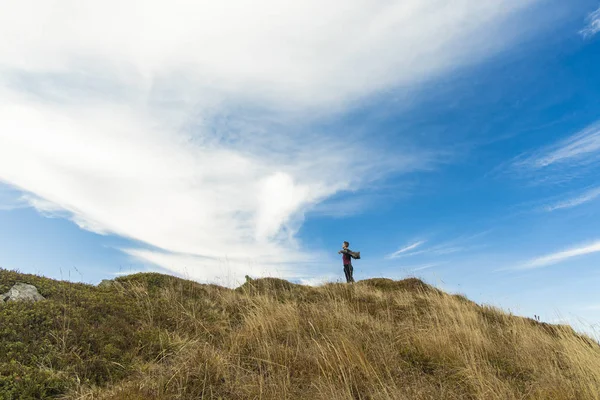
(151, 336)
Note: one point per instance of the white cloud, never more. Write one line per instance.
(340, 208)
(561, 256)
(293, 53)
(568, 159)
(187, 125)
(455, 245)
(583, 198)
(10, 199)
(117, 173)
(407, 250)
(577, 150)
(593, 24)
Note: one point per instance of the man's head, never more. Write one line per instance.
(346, 245)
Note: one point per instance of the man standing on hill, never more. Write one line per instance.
(347, 260)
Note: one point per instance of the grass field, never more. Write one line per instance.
(152, 336)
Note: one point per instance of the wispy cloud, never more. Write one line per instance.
(437, 250)
(456, 245)
(561, 256)
(593, 24)
(11, 199)
(579, 149)
(583, 198)
(351, 204)
(562, 161)
(195, 135)
(406, 250)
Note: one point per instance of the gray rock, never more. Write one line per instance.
(109, 283)
(23, 292)
(105, 283)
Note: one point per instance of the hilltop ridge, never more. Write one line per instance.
(152, 336)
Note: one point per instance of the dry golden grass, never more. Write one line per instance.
(376, 339)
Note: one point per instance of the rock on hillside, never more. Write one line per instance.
(22, 292)
(109, 284)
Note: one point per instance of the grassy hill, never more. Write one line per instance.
(151, 336)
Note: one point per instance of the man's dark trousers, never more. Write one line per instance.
(348, 270)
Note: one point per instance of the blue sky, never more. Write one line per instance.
(454, 141)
